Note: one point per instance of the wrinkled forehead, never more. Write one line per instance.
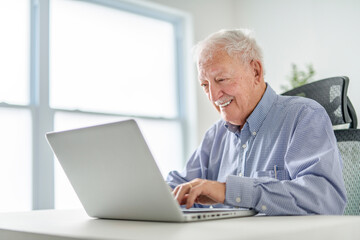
(215, 63)
(209, 57)
(216, 56)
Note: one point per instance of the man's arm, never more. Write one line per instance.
(315, 187)
(313, 162)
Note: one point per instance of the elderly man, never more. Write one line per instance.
(275, 154)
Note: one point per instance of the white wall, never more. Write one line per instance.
(325, 33)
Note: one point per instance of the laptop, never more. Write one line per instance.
(115, 175)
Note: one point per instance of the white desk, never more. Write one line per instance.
(75, 224)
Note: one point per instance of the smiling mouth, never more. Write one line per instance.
(223, 104)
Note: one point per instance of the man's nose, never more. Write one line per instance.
(214, 92)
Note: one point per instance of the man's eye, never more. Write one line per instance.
(205, 87)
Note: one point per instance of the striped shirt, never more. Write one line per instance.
(284, 161)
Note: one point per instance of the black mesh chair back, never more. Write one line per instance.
(349, 146)
(331, 93)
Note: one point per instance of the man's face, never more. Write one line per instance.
(233, 87)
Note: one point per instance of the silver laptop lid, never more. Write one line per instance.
(113, 172)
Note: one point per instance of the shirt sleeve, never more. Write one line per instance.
(314, 165)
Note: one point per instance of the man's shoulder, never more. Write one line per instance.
(297, 103)
(289, 113)
(291, 109)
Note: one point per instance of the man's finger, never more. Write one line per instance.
(175, 191)
(183, 189)
(193, 195)
(184, 200)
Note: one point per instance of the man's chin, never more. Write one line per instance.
(226, 118)
(230, 120)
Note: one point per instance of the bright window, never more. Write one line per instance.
(107, 60)
(68, 64)
(14, 51)
(15, 122)
(112, 62)
(15, 160)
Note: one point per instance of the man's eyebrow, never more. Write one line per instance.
(222, 74)
(216, 73)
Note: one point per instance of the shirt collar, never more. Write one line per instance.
(259, 114)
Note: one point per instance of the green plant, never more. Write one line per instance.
(299, 77)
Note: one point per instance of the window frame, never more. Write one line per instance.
(43, 182)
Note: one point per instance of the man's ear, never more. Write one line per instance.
(257, 69)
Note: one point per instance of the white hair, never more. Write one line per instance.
(238, 43)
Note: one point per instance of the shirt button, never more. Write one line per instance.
(244, 146)
(238, 199)
(253, 133)
(263, 207)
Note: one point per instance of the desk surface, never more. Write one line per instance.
(75, 224)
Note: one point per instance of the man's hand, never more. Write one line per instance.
(200, 191)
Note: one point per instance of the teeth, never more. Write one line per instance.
(224, 101)
(223, 104)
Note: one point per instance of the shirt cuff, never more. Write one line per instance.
(240, 191)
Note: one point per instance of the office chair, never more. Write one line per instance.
(349, 146)
(331, 93)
